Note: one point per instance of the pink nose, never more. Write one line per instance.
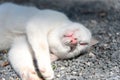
(73, 41)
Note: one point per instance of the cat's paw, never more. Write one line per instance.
(47, 73)
(29, 75)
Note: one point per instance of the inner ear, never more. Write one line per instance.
(93, 41)
(69, 34)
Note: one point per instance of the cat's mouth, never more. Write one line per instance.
(73, 46)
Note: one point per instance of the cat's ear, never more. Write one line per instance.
(93, 41)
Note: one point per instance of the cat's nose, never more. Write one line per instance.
(73, 41)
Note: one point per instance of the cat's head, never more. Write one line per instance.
(74, 38)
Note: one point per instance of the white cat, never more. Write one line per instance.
(29, 32)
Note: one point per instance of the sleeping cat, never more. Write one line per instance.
(29, 32)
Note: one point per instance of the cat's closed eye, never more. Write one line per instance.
(83, 43)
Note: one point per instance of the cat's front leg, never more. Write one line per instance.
(38, 41)
(21, 59)
(42, 57)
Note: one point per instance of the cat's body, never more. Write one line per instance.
(42, 30)
(15, 19)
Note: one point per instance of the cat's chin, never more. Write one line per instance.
(73, 52)
(67, 55)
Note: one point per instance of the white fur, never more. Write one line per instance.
(43, 30)
(61, 50)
